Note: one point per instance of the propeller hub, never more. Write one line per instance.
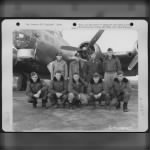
(87, 50)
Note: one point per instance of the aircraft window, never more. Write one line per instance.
(20, 35)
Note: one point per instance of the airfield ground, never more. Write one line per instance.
(80, 119)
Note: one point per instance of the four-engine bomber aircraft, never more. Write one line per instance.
(34, 50)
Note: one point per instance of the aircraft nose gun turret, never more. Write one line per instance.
(25, 45)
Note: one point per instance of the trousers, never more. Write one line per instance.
(108, 80)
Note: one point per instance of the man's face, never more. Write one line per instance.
(58, 57)
(84, 48)
(58, 76)
(76, 77)
(34, 78)
(93, 56)
(96, 79)
(110, 53)
(120, 77)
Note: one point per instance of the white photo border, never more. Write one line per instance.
(9, 25)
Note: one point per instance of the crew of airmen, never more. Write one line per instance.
(96, 82)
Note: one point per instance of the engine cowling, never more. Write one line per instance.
(85, 54)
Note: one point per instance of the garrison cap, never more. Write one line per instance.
(109, 50)
(96, 74)
(33, 74)
(59, 53)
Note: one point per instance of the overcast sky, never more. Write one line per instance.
(119, 40)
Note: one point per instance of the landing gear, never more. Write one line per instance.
(20, 82)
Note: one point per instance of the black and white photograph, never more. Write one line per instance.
(76, 79)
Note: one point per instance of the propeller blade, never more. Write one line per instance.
(70, 48)
(96, 37)
(75, 57)
(133, 62)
